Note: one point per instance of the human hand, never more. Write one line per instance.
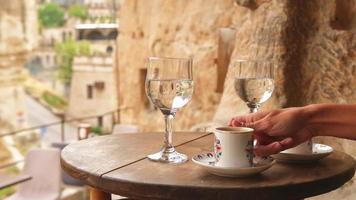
(276, 130)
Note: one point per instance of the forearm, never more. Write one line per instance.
(338, 120)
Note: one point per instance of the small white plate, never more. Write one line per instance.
(207, 162)
(319, 151)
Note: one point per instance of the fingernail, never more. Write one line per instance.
(276, 144)
(231, 121)
(286, 141)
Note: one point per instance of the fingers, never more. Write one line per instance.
(247, 120)
(273, 148)
(235, 123)
(268, 145)
(263, 139)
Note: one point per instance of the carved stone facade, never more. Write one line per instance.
(312, 43)
(93, 90)
(93, 85)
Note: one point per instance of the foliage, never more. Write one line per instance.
(51, 15)
(66, 51)
(12, 170)
(78, 11)
(97, 130)
(7, 192)
(54, 100)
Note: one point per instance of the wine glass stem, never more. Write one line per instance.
(168, 119)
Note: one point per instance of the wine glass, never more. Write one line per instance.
(254, 81)
(169, 86)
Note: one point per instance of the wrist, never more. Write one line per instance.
(309, 114)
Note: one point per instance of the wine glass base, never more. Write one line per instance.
(168, 157)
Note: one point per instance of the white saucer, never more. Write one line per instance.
(319, 151)
(207, 162)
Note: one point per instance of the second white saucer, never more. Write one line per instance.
(319, 151)
(207, 162)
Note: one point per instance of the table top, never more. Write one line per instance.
(7, 180)
(118, 164)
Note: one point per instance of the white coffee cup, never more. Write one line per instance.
(230, 146)
(303, 148)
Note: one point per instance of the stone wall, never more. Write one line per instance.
(18, 36)
(312, 43)
(171, 29)
(314, 48)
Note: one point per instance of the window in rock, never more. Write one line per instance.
(81, 35)
(89, 91)
(95, 35)
(112, 35)
(100, 121)
(99, 85)
(109, 49)
(48, 60)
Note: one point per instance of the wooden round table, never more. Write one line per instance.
(118, 164)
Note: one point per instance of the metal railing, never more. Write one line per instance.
(115, 119)
(11, 164)
(64, 120)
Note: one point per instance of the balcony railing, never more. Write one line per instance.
(115, 119)
(114, 114)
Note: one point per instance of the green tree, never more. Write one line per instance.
(97, 130)
(78, 11)
(51, 15)
(66, 52)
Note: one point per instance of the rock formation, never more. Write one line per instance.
(18, 36)
(170, 28)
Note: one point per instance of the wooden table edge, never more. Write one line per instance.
(334, 182)
(99, 182)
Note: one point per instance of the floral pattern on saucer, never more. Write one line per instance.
(207, 162)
